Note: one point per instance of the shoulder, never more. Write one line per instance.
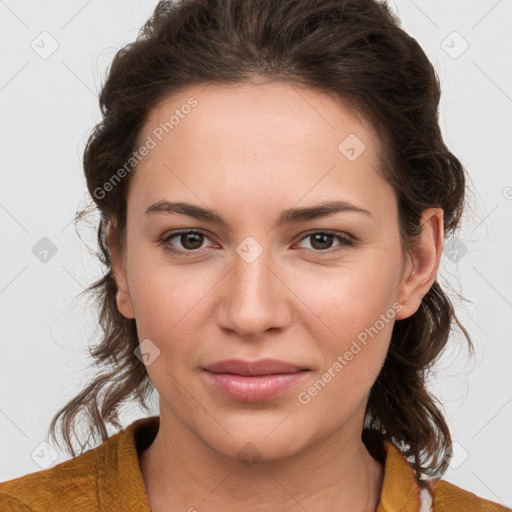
(103, 478)
(448, 497)
(402, 490)
(69, 480)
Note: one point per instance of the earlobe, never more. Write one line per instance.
(124, 304)
(123, 297)
(420, 274)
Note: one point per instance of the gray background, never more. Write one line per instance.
(48, 105)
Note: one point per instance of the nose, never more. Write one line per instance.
(255, 298)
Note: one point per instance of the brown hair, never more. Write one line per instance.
(351, 49)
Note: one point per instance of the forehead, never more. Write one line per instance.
(252, 140)
(257, 109)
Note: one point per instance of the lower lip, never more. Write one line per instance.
(253, 388)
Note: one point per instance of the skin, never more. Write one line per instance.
(250, 151)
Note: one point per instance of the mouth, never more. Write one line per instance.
(253, 381)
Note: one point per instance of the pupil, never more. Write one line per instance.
(188, 236)
(322, 237)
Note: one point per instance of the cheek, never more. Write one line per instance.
(165, 296)
(352, 323)
(169, 313)
(348, 299)
(359, 324)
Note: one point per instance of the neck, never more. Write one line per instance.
(181, 472)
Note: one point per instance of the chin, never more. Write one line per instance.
(259, 441)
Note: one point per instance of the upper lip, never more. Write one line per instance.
(260, 367)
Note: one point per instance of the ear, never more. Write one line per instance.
(118, 260)
(422, 263)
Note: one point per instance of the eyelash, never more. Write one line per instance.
(345, 242)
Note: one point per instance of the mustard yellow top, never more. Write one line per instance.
(108, 478)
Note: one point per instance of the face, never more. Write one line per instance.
(261, 278)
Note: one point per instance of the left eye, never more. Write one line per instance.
(191, 241)
(322, 240)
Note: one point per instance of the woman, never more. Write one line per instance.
(274, 194)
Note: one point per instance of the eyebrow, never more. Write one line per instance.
(290, 216)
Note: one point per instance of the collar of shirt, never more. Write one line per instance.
(400, 489)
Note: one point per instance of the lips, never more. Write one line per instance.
(253, 368)
(253, 381)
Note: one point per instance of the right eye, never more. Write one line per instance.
(190, 240)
